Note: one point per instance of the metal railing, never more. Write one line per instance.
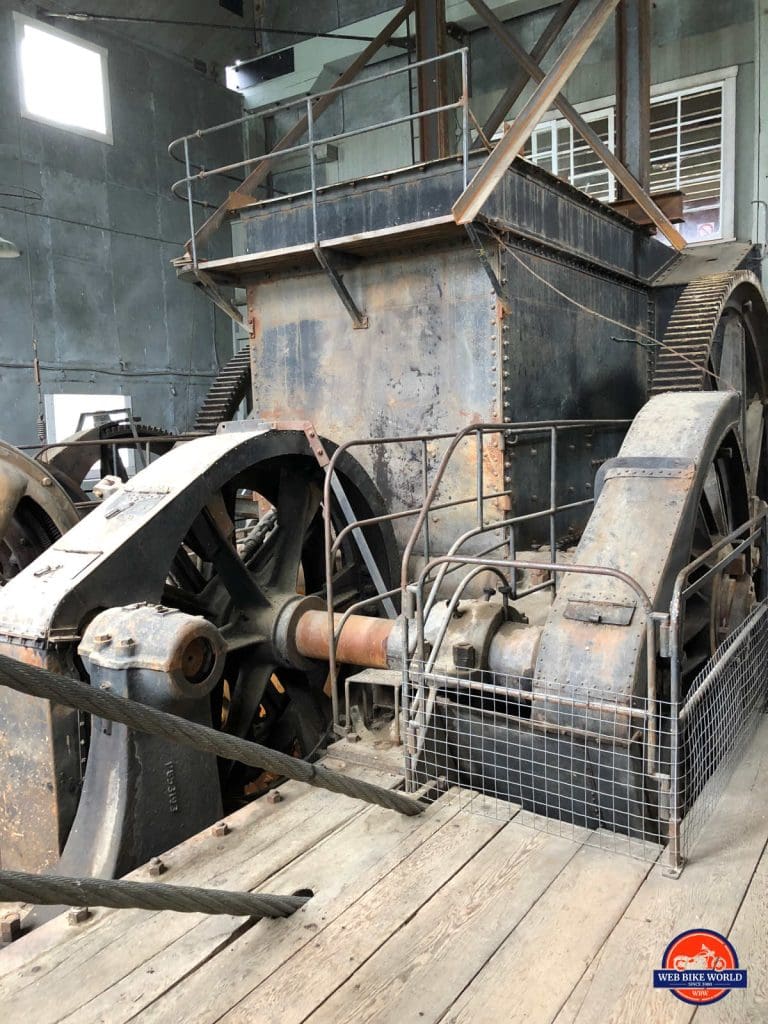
(183, 188)
(420, 536)
(644, 773)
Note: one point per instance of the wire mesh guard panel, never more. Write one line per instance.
(587, 764)
(717, 720)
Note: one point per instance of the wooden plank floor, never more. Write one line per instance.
(448, 917)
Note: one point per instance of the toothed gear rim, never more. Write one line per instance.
(230, 388)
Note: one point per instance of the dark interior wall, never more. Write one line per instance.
(94, 285)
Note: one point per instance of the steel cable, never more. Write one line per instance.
(39, 682)
(52, 890)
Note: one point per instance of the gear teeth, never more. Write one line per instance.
(683, 363)
(228, 390)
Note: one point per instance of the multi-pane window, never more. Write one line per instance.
(561, 151)
(687, 154)
(686, 149)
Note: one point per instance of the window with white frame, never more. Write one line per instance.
(63, 81)
(561, 151)
(692, 150)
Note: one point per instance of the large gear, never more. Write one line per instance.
(717, 339)
(231, 387)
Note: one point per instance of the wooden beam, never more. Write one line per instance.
(469, 204)
(633, 89)
(670, 203)
(611, 161)
(543, 45)
(292, 136)
(432, 79)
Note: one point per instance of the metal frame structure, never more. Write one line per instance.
(511, 145)
(475, 434)
(314, 105)
(434, 106)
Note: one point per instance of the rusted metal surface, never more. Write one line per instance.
(41, 769)
(363, 640)
(633, 90)
(24, 483)
(432, 79)
(462, 212)
(39, 743)
(670, 203)
(429, 363)
(659, 494)
(469, 204)
(366, 217)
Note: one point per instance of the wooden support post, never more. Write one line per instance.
(633, 89)
(543, 45)
(292, 136)
(611, 161)
(432, 79)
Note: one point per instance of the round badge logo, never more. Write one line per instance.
(699, 967)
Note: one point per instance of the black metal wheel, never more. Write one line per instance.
(70, 462)
(241, 574)
(34, 511)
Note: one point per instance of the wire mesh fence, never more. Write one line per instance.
(717, 720)
(559, 763)
(622, 773)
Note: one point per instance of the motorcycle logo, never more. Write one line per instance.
(699, 967)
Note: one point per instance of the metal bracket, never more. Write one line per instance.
(663, 644)
(359, 319)
(209, 286)
(610, 613)
(482, 255)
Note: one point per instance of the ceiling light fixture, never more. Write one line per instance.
(8, 250)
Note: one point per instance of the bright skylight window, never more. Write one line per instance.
(63, 80)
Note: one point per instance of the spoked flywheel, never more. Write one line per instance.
(180, 543)
(242, 585)
(34, 510)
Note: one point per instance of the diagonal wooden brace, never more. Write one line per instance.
(490, 173)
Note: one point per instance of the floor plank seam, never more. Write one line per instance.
(224, 944)
(731, 926)
(599, 950)
(386, 939)
(576, 848)
(120, 937)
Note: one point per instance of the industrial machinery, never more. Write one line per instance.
(547, 405)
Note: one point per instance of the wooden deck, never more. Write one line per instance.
(448, 917)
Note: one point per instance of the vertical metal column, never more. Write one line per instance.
(633, 89)
(432, 78)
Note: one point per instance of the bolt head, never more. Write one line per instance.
(274, 796)
(221, 828)
(464, 655)
(46, 481)
(77, 915)
(10, 927)
(352, 737)
(157, 867)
